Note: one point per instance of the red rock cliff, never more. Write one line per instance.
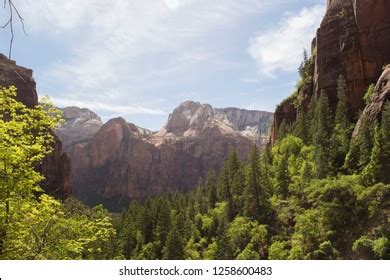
(353, 40)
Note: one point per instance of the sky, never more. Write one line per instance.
(139, 59)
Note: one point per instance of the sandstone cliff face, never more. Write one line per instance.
(121, 162)
(80, 125)
(56, 167)
(381, 94)
(353, 40)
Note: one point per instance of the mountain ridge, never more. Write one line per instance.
(121, 161)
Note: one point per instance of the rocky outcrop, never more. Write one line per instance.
(78, 128)
(55, 167)
(122, 163)
(354, 41)
(190, 119)
(14, 75)
(374, 108)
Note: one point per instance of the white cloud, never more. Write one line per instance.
(172, 4)
(114, 108)
(126, 46)
(280, 48)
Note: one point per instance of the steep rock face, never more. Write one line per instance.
(353, 40)
(79, 126)
(14, 75)
(121, 162)
(55, 167)
(374, 107)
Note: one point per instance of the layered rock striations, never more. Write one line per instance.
(354, 41)
(121, 162)
(55, 167)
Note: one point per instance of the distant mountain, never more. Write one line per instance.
(79, 127)
(191, 119)
(122, 161)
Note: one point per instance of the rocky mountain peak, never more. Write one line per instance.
(188, 115)
(192, 119)
(79, 126)
(74, 115)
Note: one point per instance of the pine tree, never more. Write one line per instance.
(224, 251)
(303, 68)
(226, 193)
(385, 125)
(310, 119)
(301, 129)
(236, 180)
(374, 172)
(283, 130)
(163, 220)
(211, 189)
(343, 126)
(174, 248)
(322, 135)
(366, 143)
(200, 202)
(265, 170)
(360, 149)
(252, 204)
(282, 176)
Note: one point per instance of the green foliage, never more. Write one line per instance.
(375, 171)
(278, 251)
(322, 137)
(304, 69)
(256, 193)
(34, 225)
(342, 131)
(360, 150)
(174, 245)
(367, 96)
(385, 129)
(282, 130)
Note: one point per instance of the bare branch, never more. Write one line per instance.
(19, 16)
(10, 23)
(6, 24)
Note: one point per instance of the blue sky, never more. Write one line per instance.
(139, 59)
